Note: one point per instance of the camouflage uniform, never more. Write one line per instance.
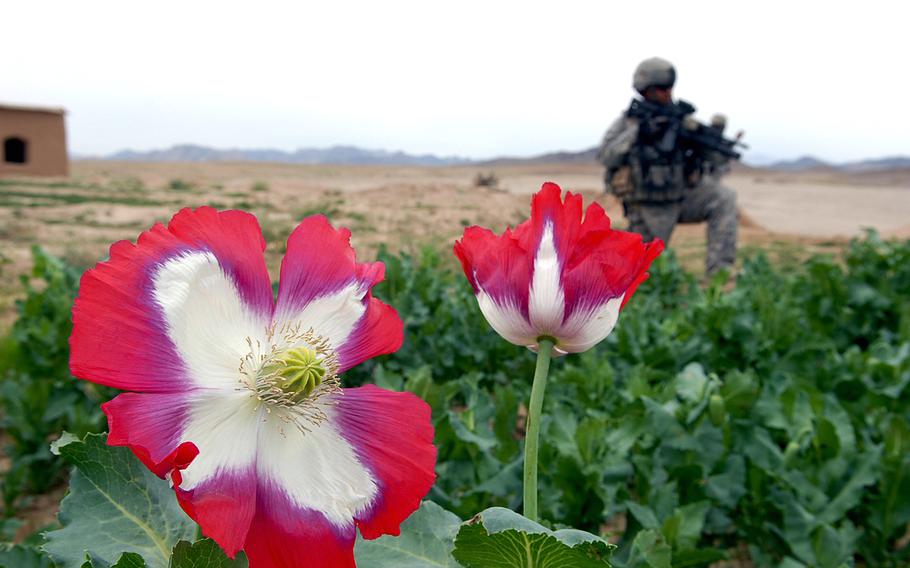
(654, 192)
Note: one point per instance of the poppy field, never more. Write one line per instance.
(760, 424)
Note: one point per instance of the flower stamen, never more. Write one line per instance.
(294, 378)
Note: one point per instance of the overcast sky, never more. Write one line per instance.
(474, 79)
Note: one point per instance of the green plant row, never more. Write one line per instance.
(769, 421)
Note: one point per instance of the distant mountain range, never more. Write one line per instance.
(582, 157)
(806, 163)
(361, 156)
(332, 155)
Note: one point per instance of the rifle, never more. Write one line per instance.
(671, 127)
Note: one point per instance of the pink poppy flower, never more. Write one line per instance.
(562, 274)
(235, 397)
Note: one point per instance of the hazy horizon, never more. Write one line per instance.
(475, 80)
(753, 159)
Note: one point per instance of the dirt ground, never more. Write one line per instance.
(787, 215)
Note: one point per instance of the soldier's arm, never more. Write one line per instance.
(617, 142)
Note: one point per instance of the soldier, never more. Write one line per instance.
(718, 164)
(654, 178)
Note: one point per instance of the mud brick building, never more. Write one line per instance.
(32, 141)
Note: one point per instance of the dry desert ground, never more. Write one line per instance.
(789, 215)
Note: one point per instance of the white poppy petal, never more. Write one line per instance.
(316, 469)
(588, 326)
(546, 299)
(206, 318)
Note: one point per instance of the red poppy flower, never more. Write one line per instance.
(235, 397)
(563, 274)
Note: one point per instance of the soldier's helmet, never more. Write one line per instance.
(653, 72)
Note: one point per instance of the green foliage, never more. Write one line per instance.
(23, 557)
(38, 396)
(427, 539)
(773, 415)
(501, 538)
(115, 505)
(203, 554)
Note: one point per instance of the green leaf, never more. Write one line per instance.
(684, 528)
(866, 473)
(203, 553)
(506, 482)
(728, 487)
(643, 515)
(130, 560)
(64, 439)
(464, 434)
(691, 383)
(649, 550)
(500, 538)
(700, 557)
(427, 540)
(114, 505)
(23, 557)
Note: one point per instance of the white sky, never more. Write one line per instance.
(475, 79)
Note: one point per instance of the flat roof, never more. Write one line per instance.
(32, 108)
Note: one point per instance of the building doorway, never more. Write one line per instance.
(15, 150)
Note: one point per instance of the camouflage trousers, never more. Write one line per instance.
(708, 202)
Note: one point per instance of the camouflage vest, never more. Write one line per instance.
(656, 176)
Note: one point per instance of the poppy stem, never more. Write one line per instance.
(545, 348)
